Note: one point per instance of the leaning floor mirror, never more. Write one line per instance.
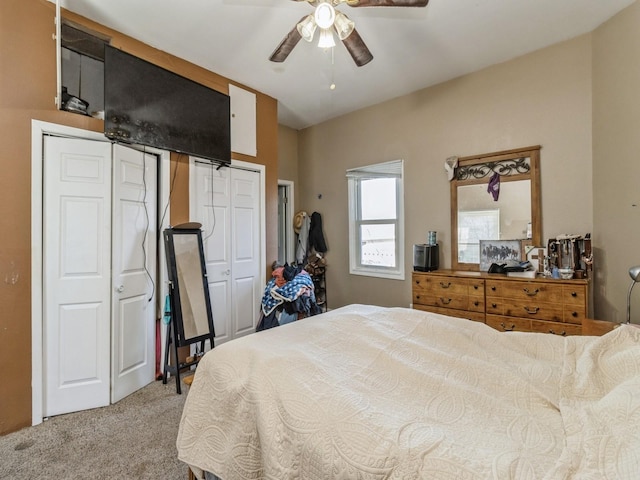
(191, 317)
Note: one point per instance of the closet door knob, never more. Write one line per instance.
(120, 288)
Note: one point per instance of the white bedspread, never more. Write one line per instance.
(366, 392)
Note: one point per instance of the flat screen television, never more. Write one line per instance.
(149, 105)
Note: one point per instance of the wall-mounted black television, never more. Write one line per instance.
(149, 105)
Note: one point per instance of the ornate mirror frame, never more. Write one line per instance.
(511, 165)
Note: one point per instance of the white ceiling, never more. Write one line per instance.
(412, 47)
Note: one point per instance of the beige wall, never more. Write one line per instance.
(540, 99)
(616, 162)
(288, 158)
(27, 91)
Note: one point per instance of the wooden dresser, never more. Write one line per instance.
(505, 303)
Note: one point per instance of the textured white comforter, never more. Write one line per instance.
(365, 392)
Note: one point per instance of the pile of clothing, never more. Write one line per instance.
(288, 294)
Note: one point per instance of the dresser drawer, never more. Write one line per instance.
(494, 306)
(524, 291)
(574, 314)
(439, 285)
(476, 304)
(475, 316)
(529, 310)
(508, 324)
(460, 302)
(556, 328)
(533, 310)
(574, 295)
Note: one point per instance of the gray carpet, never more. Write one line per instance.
(133, 439)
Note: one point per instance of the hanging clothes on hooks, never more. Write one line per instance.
(316, 237)
(301, 225)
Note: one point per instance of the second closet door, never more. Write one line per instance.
(227, 203)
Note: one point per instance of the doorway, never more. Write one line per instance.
(286, 248)
(110, 332)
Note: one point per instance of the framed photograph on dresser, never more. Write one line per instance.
(498, 251)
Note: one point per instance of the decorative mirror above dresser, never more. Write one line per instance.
(494, 196)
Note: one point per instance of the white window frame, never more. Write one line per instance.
(491, 218)
(392, 169)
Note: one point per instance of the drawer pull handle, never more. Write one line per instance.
(475, 287)
(562, 333)
(574, 314)
(494, 305)
(417, 297)
(445, 285)
(574, 294)
(445, 301)
(508, 329)
(476, 303)
(417, 282)
(530, 293)
(493, 288)
(531, 311)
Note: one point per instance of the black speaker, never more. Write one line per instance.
(426, 258)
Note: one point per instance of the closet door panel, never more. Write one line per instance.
(227, 202)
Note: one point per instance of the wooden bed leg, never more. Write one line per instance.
(191, 475)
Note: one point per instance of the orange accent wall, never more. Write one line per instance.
(27, 91)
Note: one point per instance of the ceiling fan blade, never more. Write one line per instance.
(283, 50)
(387, 3)
(358, 50)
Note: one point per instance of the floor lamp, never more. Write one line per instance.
(634, 273)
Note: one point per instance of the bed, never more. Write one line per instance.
(365, 392)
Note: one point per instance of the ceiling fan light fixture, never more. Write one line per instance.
(326, 39)
(343, 25)
(325, 15)
(307, 28)
(330, 20)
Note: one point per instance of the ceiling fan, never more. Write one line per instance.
(328, 19)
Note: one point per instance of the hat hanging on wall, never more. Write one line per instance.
(298, 220)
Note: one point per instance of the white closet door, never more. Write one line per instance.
(210, 205)
(227, 203)
(99, 260)
(246, 284)
(77, 274)
(134, 267)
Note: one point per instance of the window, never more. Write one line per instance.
(376, 220)
(473, 226)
